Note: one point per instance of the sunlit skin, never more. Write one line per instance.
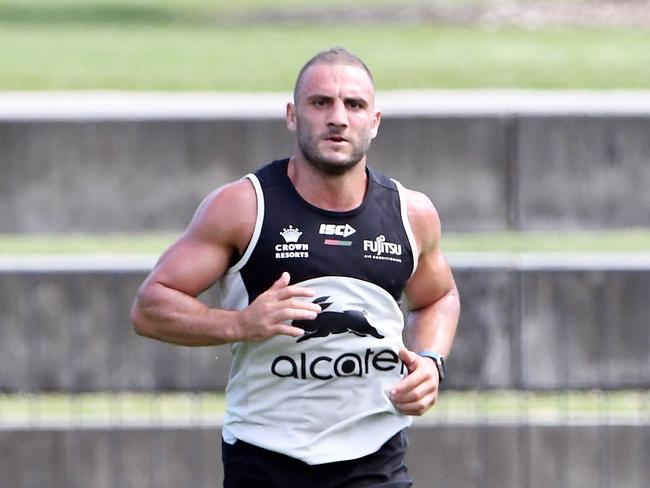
(334, 117)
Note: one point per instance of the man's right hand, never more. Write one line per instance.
(266, 317)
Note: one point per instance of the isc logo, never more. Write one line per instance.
(336, 230)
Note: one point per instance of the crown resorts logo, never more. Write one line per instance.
(291, 234)
(291, 247)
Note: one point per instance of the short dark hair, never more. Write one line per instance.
(334, 55)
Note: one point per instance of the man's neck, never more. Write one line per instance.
(339, 193)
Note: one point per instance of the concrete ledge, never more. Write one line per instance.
(571, 455)
(527, 322)
(98, 105)
(488, 160)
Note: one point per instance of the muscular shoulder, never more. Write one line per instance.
(220, 229)
(227, 216)
(424, 220)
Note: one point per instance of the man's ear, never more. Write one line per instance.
(291, 117)
(374, 127)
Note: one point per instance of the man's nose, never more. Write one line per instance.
(338, 114)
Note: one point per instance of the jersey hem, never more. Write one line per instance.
(341, 454)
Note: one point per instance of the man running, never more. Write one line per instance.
(312, 254)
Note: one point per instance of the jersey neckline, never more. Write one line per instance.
(284, 165)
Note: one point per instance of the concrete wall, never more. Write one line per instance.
(597, 323)
(71, 331)
(440, 456)
(492, 166)
(462, 162)
(105, 457)
(523, 325)
(117, 175)
(583, 171)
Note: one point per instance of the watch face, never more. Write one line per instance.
(442, 368)
(439, 359)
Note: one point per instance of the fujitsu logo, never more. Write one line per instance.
(379, 246)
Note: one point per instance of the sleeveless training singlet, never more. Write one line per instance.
(322, 397)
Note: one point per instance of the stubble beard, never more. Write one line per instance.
(309, 147)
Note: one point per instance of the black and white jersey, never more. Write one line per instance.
(324, 396)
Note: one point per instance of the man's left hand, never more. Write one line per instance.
(416, 393)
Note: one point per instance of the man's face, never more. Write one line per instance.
(334, 116)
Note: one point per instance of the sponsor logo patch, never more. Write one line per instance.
(323, 368)
(335, 242)
(343, 230)
(291, 247)
(381, 250)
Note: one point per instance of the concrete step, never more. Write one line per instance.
(468, 455)
(528, 322)
(489, 160)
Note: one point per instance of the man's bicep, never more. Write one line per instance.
(432, 279)
(192, 265)
(431, 282)
(212, 240)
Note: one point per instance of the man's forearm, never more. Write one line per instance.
(171, 316)
(434, 327)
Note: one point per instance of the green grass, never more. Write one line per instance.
(173, 45)
(85, 243)
(111, 407)
(623, 241)
(202, 407)
(619, 241)
(189, 10)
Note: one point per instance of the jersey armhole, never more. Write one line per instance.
(258, 225)
(407, 225)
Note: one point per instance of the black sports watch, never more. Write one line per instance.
(439, 359)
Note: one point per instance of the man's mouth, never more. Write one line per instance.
(337, 139)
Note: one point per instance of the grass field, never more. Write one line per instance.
(209, 407)
(620, 241)
(174, 45)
